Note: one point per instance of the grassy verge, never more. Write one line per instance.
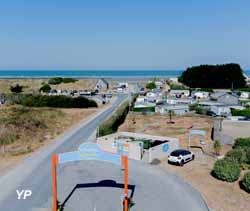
(25, 129)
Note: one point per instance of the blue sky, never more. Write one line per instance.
(129, 34)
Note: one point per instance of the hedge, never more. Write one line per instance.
(237, 155)
(246, 182)
(244, 112)
(56, 101)
(112, 124)
(241, 143)
(226, 170)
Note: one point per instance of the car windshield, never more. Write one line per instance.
(176, 153)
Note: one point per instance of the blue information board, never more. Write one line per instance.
(89, 151)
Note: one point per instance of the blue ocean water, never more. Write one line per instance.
(88, 73)
(91, 73)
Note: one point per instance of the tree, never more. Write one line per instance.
(214, 76)
(151, 85)
(45, 88)
(16, 89)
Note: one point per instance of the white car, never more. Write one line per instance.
(180, 156)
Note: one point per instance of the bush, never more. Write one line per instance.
(241, 143)
(56, 80)
(56, 101)
(45, 88)
(151, 85)
(193, 107)
(69, 80)
(247, 155)
(236, 155)
(16, 89)
(112, 124)
(217, 147)
(246, 182)
(226, 170)
(200, 110)
(244, 112)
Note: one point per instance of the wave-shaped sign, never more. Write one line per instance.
(89, 151)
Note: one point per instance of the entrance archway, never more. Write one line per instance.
(89, 151)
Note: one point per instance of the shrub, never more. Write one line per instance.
(244, 112)
(57, 101)
(56, 80)
(16, 89)
(247, 155)
(246, 182)
(217, 147)
(226, 170)
(45, 88)
(151, 85)
(200, 110)
(69, 80)
(193, 107)
(241, 143)
(81, 102)
(236, 155)
(112, 124)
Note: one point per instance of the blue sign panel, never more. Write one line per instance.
(89, 151)
(165, 147)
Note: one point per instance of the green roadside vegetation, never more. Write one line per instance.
(244, 112)
(55, 101)
(112, 124)
(228, 169)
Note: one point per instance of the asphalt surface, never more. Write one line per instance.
(89, 185)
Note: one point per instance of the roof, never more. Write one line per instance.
(217, 95)
(104, 81)
(177, 91)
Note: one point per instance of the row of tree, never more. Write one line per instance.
(214, 76)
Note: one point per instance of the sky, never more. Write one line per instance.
(128, 34)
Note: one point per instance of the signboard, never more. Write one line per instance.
(123, 148)
(89, 151)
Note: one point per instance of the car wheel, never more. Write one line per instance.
(193, 157)
(182, 163)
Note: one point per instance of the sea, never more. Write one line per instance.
(92, 73)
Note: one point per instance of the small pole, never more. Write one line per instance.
(54, 182)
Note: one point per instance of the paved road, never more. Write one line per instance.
(86, 186)
(35, 172)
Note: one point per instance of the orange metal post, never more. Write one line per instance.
(125, 165)
(54, 184)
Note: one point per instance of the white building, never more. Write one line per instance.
(245, 95)
(201, 95)
(179, 93)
